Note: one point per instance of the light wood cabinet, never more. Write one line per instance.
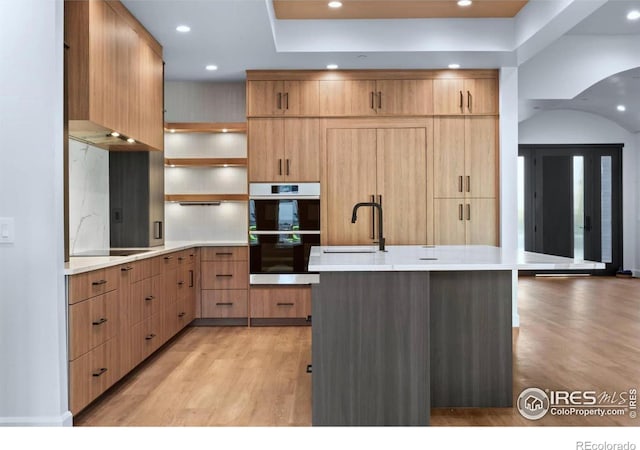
(457, 96)
(275, 98)
(115, 75)
(290, 302)
(375, 97)
(284, 150)
(92, 322)
(466, 221)
(384, 165)
(224, 280)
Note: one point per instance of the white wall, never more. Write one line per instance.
(576, 127)
(33, 377)
(88, 198)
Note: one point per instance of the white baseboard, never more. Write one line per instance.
(63, 420)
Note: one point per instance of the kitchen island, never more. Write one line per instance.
(396, 333)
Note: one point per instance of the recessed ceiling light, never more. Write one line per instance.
(633, 15)
(173, 165)
(211, 67)
(173, 130)
(335, 4)
(332, 66)
(464, 2)
(183, 28)
(621, 108)
(225, 165)
(224, 130)
(131, 141)
(454, 66)
(115, 134)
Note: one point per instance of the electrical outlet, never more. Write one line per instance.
(7, 230)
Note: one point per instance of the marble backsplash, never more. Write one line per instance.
(88, 198)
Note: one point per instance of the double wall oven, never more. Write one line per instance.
(284, 223)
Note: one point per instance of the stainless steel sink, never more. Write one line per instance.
(348, 250)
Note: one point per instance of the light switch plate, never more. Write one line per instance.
(7, 230)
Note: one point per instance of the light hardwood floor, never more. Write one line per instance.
(575, 334)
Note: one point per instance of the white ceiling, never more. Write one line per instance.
(237, 35)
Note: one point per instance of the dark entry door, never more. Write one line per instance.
(573, 201)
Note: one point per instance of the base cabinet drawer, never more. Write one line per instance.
(92, 322)
(146, 337)
(92, 374)
(224, 275)
(280, 302)
(224, 304)
(224, 254)
(90, 284)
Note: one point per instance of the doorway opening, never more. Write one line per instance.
(570, 202)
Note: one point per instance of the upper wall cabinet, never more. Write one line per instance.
(277, 98)
(375, 97)
(115, 77)
(456, 96)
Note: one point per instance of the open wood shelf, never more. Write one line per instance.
(205, 162)
(204, 198)
(206, 127)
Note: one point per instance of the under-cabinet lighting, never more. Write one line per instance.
(173, 130)
(131, 141)
(464, 2)
(332, 66)
(211, 67)
(183, 28)
(562, 275)
(621, 108)
(115, 134)
(224, 130)
(454, 66)
(225, 165)
(633, 15)
(199, 203)
(172, 165)
(335, 4)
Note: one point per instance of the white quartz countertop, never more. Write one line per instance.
(80, 264)
(435, 258)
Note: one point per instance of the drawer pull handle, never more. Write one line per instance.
(224, 304)
(100, 372)
(149, 298)
(224, 275)
(180, 258)
(285, 304)
(167, 258)
(149, 337)
(126, 269)
(224, 254)
(99, 282)
(180, 283)
(182, 314)
(99, 321)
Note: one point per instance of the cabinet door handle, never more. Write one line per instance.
(180, 258)
(100, 372)
(149, 298)
(468, 183)
(286, 100)
(284, 304)
(461, 100)
(191, 278)
(373, 218)
(167, 258)
(468, 211)
(224, 254)
(279, 100)
(126, 269)
(372, 100)
(180, 283)
(469, 101)
(460, 184)
(288, 165)
(149, 337)
(182, 314)
(224, 275)
(379, 100)
(460, 212)
(99, 282)
(224, 304)
(279, 166)
(99, 321)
